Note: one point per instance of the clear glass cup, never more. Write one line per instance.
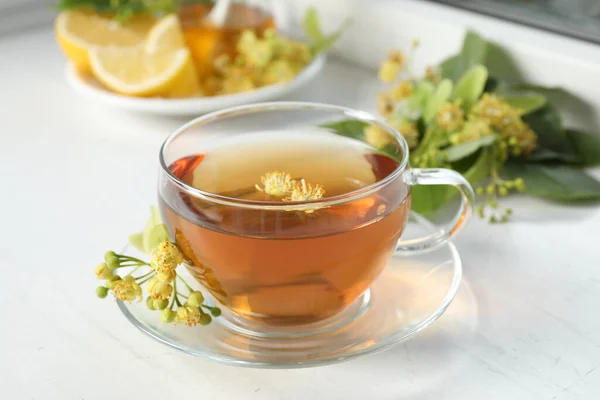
(266, 272)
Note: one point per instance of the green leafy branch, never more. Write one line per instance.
(502, 136)
(125, 9)
(321, 42)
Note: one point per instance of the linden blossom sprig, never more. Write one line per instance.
(161, 280)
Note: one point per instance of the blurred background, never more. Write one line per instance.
(574, 18)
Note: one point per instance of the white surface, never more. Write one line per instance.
(78, 179)
(191, 107)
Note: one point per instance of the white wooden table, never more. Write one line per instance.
(77, 179)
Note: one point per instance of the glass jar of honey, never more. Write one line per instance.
(213, 29)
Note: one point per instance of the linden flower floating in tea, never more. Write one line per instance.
(303, 191)
(276, 184)
(280, 184)
(182, 304)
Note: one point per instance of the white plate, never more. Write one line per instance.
(89, 87)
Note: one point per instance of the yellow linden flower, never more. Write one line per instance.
(102, 271)
(126, 289)
(474, 128)
(298, 52)
(385, 104)
(158, 289)
(234, 84)
(377, 136)
(187, 315)
(432, 74)
(279, 71)
(494, 109)
(527, 141)
(166, 276)
(257, 52)
(276, 183)
(402, 91)
(408, 130)
(166, 257)
(392, 66)
(507, 122)
(303, 191)
(450, 117)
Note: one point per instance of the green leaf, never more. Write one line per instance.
(555, 182)
(429, 198)
(542, 155)
(155, 236)
(585, 146)
(474, 51)
(154, 232)
(351, 128)
(440, 96)
(462, 150)
(527, 102)
(482, 167)
(312, 25)
(507, 87)
(125, 9)
(470, 86)
(137, 240)
(312, 29)
(547, 125)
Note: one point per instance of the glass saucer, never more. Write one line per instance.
(409, 295)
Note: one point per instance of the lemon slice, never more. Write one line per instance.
(165, 35)
(161, 67)
(78, 32)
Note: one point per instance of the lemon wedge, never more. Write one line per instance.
(78, 32)
(162, 67)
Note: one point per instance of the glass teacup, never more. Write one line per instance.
(285, 219)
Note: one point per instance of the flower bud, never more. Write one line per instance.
(520, 184)
(215, 311)
(111, 259)
(101, 291)
(161, 304)
(102, 271)
(195, 299)
(167, 315)
(205, 319)
(159, 289)
(150, 303)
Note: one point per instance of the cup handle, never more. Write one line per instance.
(440, 176)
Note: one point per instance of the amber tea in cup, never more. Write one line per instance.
(281, 219)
